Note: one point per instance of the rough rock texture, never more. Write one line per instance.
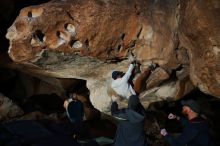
(8, 109)
(87, 39)
(199, 32)
(157, 78)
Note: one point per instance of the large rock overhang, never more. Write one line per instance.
(88, 39)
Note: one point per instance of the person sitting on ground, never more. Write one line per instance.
(123, 87)
(74, 108)
(195, 131)
(130, 130)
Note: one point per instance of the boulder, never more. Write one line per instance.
(157, 77)
(88, 37)
(199, 33)
(91, 38)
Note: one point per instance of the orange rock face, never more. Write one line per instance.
(175, 34)
(94, 28)
(199, 33)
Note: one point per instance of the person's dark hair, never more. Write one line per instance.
(116, 74)
(135, 104)
(192, 104)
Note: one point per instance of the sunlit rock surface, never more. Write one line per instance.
(88, 39)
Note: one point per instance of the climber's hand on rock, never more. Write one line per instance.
(131, 59)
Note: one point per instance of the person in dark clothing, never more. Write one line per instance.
(74, 109)
(75, 112)
(195, 131)
(130, 130)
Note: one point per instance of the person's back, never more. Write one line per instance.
(123, 89)
(130, 131)
(75, 111)
(201, 127)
